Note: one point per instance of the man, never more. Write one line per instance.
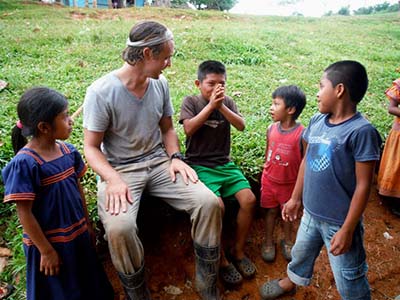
(130, 141)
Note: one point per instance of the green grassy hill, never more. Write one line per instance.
(66, 49)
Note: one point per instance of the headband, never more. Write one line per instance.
(151, 42)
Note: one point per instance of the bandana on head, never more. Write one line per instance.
(151, 42)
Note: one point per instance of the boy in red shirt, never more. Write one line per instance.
(283, 156)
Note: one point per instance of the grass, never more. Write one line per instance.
(67, 49)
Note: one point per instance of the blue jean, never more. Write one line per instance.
(349, 269)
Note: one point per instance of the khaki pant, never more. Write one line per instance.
(153, 176)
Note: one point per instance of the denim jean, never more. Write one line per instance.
(349, 269)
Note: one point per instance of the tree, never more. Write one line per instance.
(364, 10)
(162, 3)
(382, 7)
(214, 4)
(178, 3)
(221, 4)
(344, 11)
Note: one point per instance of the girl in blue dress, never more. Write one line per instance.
(43, 180)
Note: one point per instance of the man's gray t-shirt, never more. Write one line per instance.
(130, 125)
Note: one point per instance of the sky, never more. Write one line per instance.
(308, 8)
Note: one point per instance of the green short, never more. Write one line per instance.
(225, 181)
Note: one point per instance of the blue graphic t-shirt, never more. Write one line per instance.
(333, 150)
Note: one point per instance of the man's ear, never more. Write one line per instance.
(340, 90)
(197, 83)
(147, 53)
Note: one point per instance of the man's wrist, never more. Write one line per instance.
(177, 155)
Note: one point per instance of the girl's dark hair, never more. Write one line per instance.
(143, 31)
(38, 104)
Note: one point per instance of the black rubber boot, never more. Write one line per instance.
(207, 264)
(135, 286)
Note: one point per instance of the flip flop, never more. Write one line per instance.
(245, 266)
(272, 290)
(230, 275)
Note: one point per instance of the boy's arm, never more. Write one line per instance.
(266, 142)
(341, 241)
(193, 124)
(235, 119)
(291, 209)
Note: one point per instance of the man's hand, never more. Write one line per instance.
(117, 196)
(291, 211)
(179, 166)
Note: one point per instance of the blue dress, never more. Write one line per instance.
(58, 208)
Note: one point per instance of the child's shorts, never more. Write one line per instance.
(274, 194)
(224, 181)
(349, 269)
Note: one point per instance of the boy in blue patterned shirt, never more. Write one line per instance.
(333, 185)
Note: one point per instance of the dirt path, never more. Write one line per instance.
(170, 264)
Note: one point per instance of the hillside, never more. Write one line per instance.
(68, 48)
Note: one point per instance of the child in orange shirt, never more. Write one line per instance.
(389, 170)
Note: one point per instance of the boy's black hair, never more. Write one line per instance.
(292, 96)
(210, 67)
(353, 76)
(38, 104)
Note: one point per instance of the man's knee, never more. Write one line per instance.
(120, 229)
(208, 201)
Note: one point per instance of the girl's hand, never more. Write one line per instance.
(50, 263)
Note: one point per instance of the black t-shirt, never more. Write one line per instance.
(210, 145)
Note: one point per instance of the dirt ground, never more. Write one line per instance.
(170, 262)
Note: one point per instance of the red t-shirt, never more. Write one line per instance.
(284, 153)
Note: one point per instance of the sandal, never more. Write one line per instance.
(5, 290)
(272, 290)
(268, 253)
(230, 275)
(286, 250)
(245, 266)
